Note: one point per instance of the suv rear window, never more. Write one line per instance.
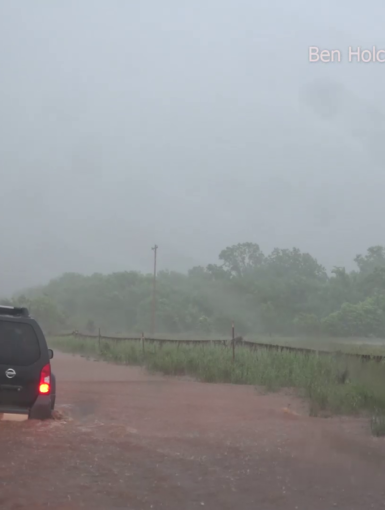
(19, 344)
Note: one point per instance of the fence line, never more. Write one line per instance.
(235, 341)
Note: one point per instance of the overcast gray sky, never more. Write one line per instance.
(195, 125)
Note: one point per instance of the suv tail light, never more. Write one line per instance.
(45, 380)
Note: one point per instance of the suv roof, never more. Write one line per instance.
(14, 311)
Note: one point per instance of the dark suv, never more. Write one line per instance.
(27, 385)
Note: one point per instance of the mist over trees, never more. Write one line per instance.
(286, 292)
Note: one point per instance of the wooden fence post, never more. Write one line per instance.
(143, 343)
(99, 339)
(233, 340)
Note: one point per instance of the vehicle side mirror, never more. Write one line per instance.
(50, 353)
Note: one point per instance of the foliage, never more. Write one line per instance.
(242, 259)
(44, 310)
(373, 259)
(308, 323)
(366, 318)
(285, 293)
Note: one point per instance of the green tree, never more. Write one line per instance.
(291, 263)
(204, 325)
(90, 327)
(269, 318)
(374, 258)
(363, 319)
(242, 259)
(46, 312)
(286, 292)
(308, 324)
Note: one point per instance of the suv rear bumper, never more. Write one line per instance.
(13, 410)
(41, 409)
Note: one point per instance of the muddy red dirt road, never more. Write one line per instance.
(130, 440)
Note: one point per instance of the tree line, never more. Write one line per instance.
(286, 292)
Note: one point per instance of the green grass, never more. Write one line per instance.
(348, 345)
(317, 378)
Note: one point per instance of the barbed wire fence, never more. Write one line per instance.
(234, 343)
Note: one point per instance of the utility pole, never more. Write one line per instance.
(154, 248)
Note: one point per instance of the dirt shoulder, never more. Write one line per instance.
(130, 440)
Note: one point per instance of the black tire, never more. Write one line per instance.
(53, 400)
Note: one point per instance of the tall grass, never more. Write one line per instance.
(348, 345)
(333, 384)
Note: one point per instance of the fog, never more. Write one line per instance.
(193, 125)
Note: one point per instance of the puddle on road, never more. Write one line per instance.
(77, 411)
(80, 416)
(61, 415)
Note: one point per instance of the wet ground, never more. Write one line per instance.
(130, 440)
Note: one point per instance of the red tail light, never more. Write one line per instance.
(45, 380)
